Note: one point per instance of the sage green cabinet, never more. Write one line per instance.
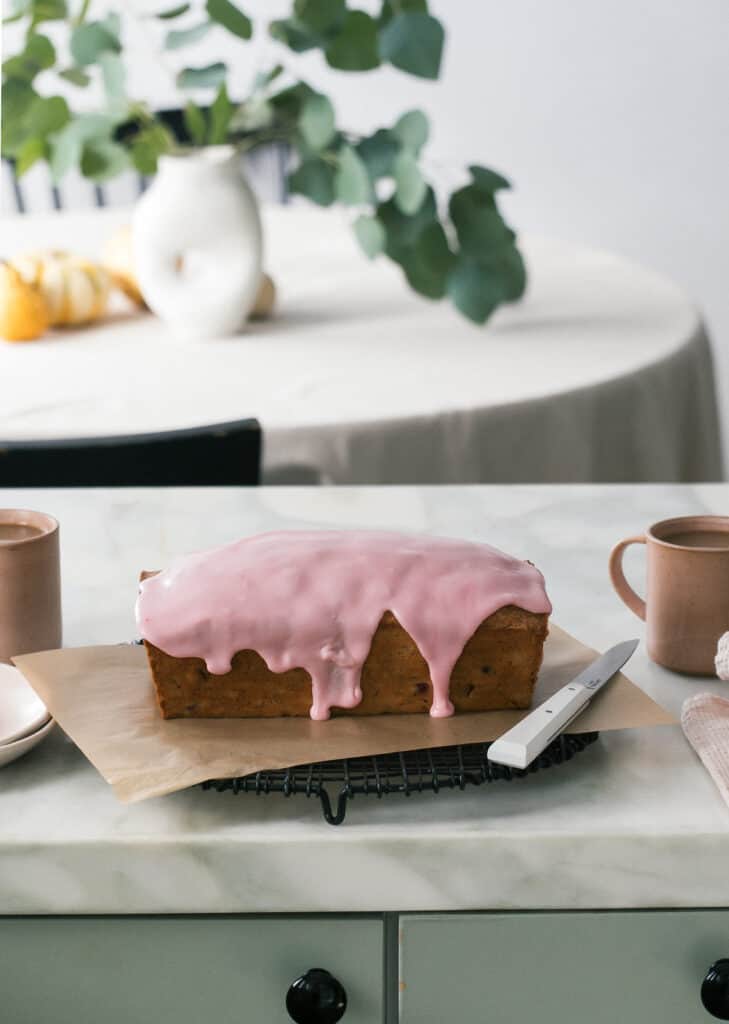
(181, 970)
(483, 968)
(550, 968)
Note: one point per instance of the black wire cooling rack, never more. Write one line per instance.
(414, 771)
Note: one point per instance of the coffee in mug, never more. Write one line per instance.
(30, 583)
(686, 608)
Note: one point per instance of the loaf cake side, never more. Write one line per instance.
(344, 621)
(497, 669)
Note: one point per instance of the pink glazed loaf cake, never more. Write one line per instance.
(362, 623)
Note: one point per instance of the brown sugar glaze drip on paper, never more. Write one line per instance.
(313, 600)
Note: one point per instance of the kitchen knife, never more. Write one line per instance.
(518, 747)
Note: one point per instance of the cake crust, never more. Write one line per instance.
(497, 669)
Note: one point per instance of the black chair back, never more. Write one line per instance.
(220, 455)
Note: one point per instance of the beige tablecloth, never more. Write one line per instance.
(603, 373)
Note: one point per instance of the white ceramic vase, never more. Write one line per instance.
(197, 243)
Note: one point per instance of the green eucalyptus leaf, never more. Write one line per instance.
(143, 157)
(478, 223)
(18, 95)
(288, 102)
(28, 116)
(314, 179)
(412, 130)
(429, 261)
(328, 153)
(316, 121)
(221, 112)
(90, 39)
(19, 9)
(93, 126)
(114, 76)
(102, 159)
(40, 50)
(209, 77)
(252, 115)
(355, 47)
(378, 151)
(410, 186)
(75, 76)
(320, 15)
(46, 115)
(29, 153)
(506, 264)
(178, 37)
(514, 274)
(112, 24)
(65, 152)
(401, 230)
(38, 55)
(389, 9)
(148, 146)
(294, 34)
(486, 180)
(370, 234)
(230, 17)
(413, 42)
(48, 10)
(172, 12)
(474, 290)
(68, 143)
(194, 123)
(351, 180)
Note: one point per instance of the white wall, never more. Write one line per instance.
(608, 115)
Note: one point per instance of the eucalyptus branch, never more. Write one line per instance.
(82, 13)
(460, 248)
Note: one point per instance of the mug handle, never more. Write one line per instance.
(622, 587)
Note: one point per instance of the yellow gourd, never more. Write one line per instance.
(76, 290)
(23, 310)
(117, 259)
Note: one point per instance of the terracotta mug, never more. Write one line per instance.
(687, 590)
(30, 583)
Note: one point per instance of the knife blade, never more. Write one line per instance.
(518, 747)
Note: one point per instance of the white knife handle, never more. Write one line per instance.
(518, 747)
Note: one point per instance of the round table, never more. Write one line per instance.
(603, 372)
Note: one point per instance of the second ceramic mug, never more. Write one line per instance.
(30, 583)
(686, 608)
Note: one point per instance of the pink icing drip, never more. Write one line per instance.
(313, 600)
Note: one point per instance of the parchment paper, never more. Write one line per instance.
(104, 699)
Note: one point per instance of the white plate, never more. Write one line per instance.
(22, 712)
(12, 751)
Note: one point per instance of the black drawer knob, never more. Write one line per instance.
(316, 998)
(715, 990)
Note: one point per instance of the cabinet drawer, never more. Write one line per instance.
(554, 967)
(181, 970)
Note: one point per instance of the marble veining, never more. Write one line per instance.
(627, 824)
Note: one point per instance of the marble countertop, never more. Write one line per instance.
(634, 821)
